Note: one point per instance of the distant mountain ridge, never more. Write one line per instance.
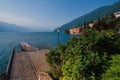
(7, 27)
(99, 12)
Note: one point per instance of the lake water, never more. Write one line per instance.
(41, 40)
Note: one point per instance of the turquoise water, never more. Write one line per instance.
(40, 40)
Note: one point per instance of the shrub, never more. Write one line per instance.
(84, 57)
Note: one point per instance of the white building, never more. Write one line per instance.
(117, 14)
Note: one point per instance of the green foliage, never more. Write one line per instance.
(88, 56)
(53, 58)
(113, 73)
(84, 57)
(108, 41)
(83, 61)
(118, 24)
(106, 23)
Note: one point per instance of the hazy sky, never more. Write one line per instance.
(46, 14)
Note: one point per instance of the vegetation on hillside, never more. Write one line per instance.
(89, 56)
(102, 11)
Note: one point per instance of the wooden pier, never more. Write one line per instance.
(28, 65)
(27, 47)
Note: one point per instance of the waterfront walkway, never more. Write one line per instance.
(22, 68)
(30, 65)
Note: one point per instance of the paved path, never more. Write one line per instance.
(30, 66)
(39, 60)
(22, 68)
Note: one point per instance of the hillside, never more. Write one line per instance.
(102, 11)
(6, 27)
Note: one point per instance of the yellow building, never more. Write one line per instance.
(77, 30)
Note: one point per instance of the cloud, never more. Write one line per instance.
(9, 18)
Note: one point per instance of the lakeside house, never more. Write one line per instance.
(117, 14)
(77, 30)
(91, 24)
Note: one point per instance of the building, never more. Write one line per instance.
(91, 24)
(77, 30)
(117, 14)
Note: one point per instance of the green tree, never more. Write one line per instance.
(84, 61)
(84, 57)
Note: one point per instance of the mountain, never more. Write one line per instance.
(92, 16)
(7, 27)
